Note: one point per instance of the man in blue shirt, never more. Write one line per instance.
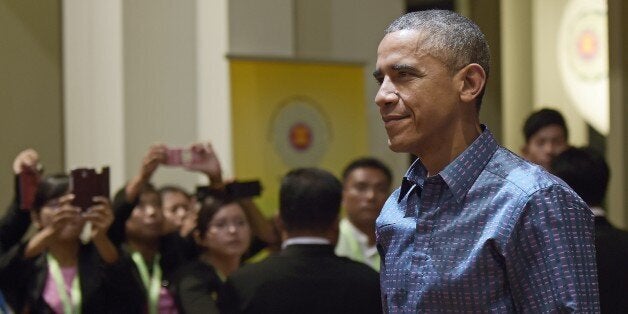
(473, 227)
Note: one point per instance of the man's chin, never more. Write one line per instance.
(396, 147)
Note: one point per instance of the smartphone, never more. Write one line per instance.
(28, 180)
(244, 189)
(181, 157)
(86, 183)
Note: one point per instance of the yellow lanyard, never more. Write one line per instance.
(73, 307)
(151, 283)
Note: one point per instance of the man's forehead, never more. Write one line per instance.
(411, 38)
(401, 46)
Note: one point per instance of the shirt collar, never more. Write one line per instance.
(460, 174)
(413, 179)
(357, 233)
(304, 240)
(598, 211)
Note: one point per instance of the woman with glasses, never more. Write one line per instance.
(223, 234)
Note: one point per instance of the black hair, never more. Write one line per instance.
(367, 162)
(173, 189)
(309, 199)
(148, 188)
(543, 118)
(49, 188)
(209, 208)
(586, 172)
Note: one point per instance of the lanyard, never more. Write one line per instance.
(57, 277)
(151, 283)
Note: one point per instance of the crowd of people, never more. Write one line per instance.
(165, 250)
(472, 227)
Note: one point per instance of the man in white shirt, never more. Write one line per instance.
(366, 186)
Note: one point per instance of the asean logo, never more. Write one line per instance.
(300, 132)
(582, 55)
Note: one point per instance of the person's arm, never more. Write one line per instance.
(155, 156)
(261, 226)
(101, 217)
(127, 198)
(13, 225)
(16, 221)
(208, 164)
(38, 243)
(550, 256)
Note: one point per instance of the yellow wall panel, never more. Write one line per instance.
(289, 114)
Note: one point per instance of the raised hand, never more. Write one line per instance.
(28, 158)
(101, 217)
(156, 155)
(206, 162)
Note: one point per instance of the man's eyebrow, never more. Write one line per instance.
(403, 67)
(396, 68)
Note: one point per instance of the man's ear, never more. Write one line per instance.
(473, 79)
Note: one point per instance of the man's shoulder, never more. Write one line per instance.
(514, 172)
(279, 265)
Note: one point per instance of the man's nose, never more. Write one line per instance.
(370, 194)
(386, 94)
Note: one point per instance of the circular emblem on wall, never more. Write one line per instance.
(583, 59)
(300, 132)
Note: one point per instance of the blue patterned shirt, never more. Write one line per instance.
(489, 233)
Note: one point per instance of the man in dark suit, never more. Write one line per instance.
(587, 173)
(306, 276)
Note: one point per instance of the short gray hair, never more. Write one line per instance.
(452, 38)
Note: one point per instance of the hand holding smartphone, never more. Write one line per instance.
(180, 157)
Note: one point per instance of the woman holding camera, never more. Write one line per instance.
(54, 272)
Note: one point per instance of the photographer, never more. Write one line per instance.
(151, 257)
(223, 234)
(54, 271)
(149, 254)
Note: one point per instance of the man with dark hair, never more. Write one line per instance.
(546, 136)
(586, 171)
(306, 277)
(473, 227)
(365, 187)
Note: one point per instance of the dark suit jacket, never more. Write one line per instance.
(611, 246)
(303, 279)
